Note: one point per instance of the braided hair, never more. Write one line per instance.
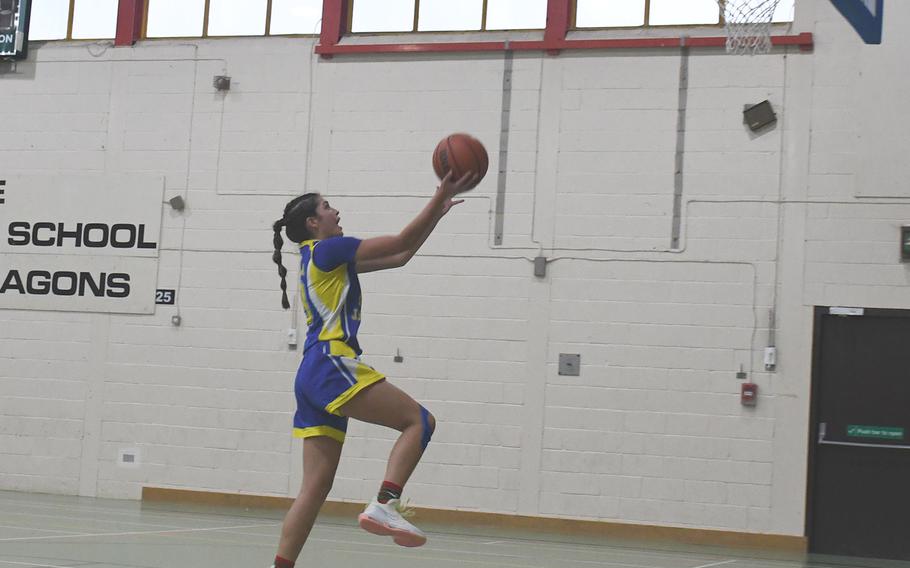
(296, 212)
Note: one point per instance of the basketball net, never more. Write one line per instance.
(747, 24)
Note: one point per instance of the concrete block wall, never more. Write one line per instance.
(650, 432)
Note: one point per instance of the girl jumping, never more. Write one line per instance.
(332, 384)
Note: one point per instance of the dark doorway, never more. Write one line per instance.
(859, 458)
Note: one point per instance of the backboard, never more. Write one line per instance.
(865, 15)
(14, 16)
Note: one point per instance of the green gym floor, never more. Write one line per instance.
(75, 532)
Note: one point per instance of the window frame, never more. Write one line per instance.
(573, 24)
(71, 7)
(70, 19)
(205, 26)
(721, 21)
(349, 26)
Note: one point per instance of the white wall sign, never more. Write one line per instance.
(85, 243)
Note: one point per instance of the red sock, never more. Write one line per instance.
(283, 563)
(389, 491)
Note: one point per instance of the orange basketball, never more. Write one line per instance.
(460, 153)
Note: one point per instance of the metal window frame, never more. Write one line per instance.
(337, 18)
(146, 7)
(129, 29)
(573, 11)
(561, 15)
(70, 19)
(205, 25)
(721, 21)
(414, 26)
(132, 24)
(646, 21)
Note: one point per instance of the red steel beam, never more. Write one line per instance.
(129, 22)
(559, 14)
(334, 22)
(804, 41)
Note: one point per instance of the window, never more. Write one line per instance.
(94, 19)
(237, 17)
(442, 15)
(188, 18)
(447, 15)
(516, 14)
(175, 18)
(97, 19)
(610, 13)
(674, 12)
(383, 16)
(49, 19)
(636, 13)
(295, 17)
(784, 11)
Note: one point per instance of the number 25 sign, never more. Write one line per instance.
(167, 297)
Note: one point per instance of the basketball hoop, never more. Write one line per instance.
(747, 24)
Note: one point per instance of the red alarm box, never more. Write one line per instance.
(749, 394)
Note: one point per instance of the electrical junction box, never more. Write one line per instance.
(570, 364)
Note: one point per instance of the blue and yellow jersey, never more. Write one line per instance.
(330, 291)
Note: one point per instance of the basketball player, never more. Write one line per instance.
(332, 383)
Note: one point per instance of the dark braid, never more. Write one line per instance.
(296, 212)
(276, 256)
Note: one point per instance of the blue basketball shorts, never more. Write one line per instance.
(329, 375)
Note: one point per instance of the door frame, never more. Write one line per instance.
(815, 379)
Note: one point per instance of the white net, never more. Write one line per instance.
(747, 24)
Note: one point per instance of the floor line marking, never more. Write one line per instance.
(721, 563)
(135, 533)
(23, 528)
(32, 564)
(87, 519)
(145, 511)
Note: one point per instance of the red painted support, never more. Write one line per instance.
(334, 23)
(803, 41)
(559, 14)
(129, 22)
(559, 20)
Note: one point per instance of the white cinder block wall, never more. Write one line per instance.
(650, 432)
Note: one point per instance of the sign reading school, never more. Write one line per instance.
(80, 243)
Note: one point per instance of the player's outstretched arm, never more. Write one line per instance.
(400, 259)
(393, 251)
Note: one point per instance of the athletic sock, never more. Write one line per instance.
(389, 491)
(283, 563)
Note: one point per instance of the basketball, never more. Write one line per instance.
(461, 153)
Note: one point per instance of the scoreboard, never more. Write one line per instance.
(14, 16)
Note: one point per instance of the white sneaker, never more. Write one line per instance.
(387, 519)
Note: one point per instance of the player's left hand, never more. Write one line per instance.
(451, 187)
(449, 203)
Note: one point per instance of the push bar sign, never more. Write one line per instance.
(79, 243)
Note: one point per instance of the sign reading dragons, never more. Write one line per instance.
(83, 243)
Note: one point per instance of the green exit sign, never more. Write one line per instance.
(878, 432)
